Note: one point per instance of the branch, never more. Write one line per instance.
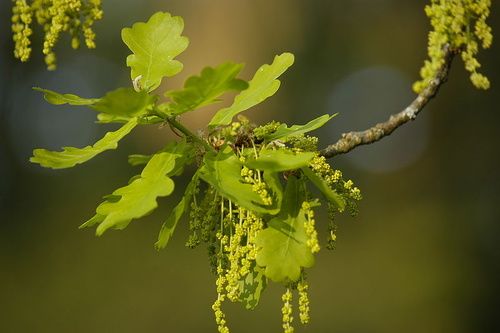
(351, 140)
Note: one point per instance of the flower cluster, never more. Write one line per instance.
(460, 25)
(75, 17)
(231, 232)
(236, 254)
(304, 142)
(302, 288)
(345, 188)
(286, 311)
(309, 225)
(21, 20)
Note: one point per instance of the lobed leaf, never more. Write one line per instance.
(138, 198)
(155, 44)
(282, 245)
(321, 184)
(71, 156)
(124, 103)
(186, 158)
(223, 172)
(59, 99)
(283, 132)
(203, 90)
(279, 160)
(168, 227)
(264, 84)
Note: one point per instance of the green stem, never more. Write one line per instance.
(187, 133)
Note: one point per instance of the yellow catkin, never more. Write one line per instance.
(75, 17)
(302, 288)
(461, 24)
(334, 177)
(286, 311)
(309, 226)
(21, 21)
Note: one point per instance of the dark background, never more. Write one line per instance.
(422, 256)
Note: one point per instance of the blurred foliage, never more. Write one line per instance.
(422, 255)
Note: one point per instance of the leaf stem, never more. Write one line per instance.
(187, 133)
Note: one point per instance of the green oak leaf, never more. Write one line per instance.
(264, 84)
(138, 198)
(188, 152)
(168, 227)
(58, 99)
(71, 156)
(283, 132)
(155, 44)
(124, 103)
(223, 171)
(282, 245)
(205, 89)
(321, 184)
(251, 287)
(279, 160)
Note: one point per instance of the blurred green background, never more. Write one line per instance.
(422, 256)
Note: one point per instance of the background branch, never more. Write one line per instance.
(351, 140)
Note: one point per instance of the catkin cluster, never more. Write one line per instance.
(231, 231)
(76, 17)
(460, 25)
(345, 188)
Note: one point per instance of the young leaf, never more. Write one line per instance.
(155, 44)
(95, 220)
(125, 103)
(138, 159)
(58, 99)
(203, 90)
(279, 160)
(264, 84)
(71, 156)
(138, 198)
(283, 249)
(324, 188)
(251, 287)
(186, 158)
(223, 171)
(168, 227)
(283, 131)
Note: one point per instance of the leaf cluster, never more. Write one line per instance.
(250, 199)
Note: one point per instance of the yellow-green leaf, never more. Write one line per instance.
(155, 44)
(205, 89)
(283, 132)
(264, 84)
(279, 160)
(223, 172)
(321, 184)
(168, 227)
(58, 99)
(71, 156)
(138, 198)
(125, 103)
(283, 250)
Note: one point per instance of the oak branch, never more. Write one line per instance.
(351, 140)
